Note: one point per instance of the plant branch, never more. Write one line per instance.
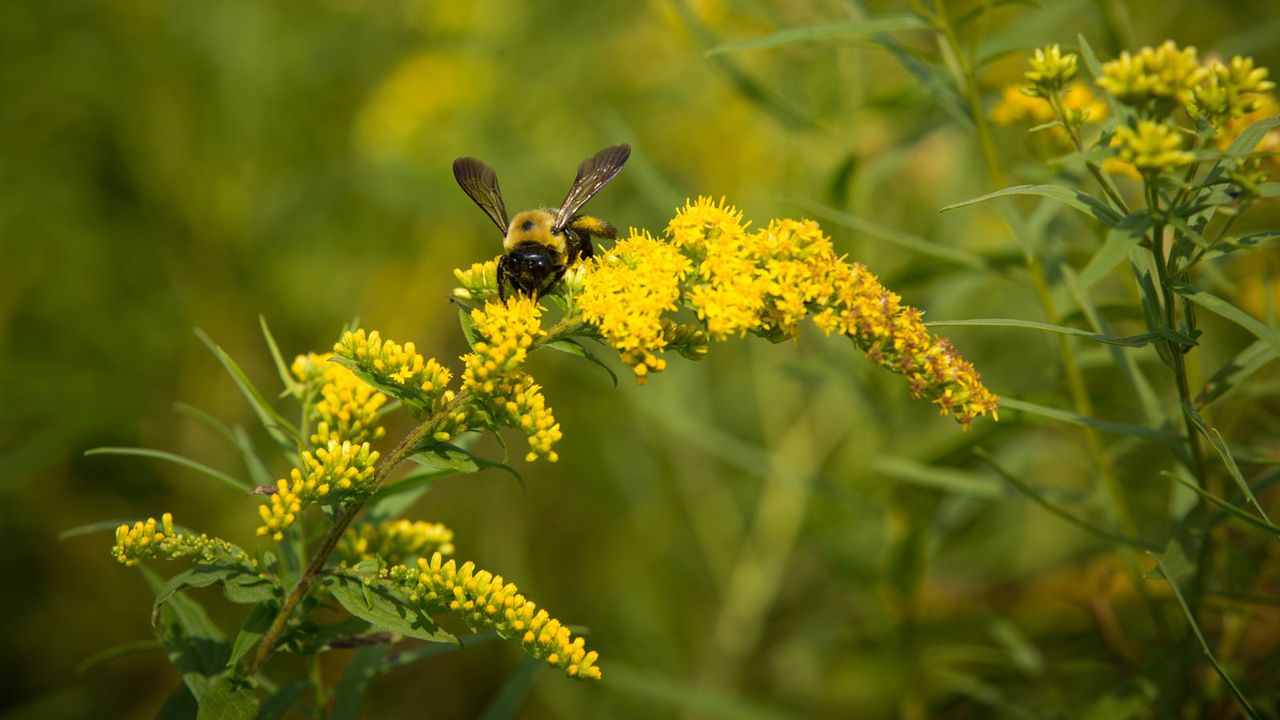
(345, 516)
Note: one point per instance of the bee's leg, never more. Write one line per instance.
(502, 278)
(546, 287)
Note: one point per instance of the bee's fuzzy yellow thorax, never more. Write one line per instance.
(534, 226)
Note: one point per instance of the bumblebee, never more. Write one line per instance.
(540, 245)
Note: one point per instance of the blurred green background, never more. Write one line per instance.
(776, 531)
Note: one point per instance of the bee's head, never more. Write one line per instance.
(530, 264)
(533, 226)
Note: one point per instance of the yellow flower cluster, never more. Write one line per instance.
(765, 282)
(1151, 147)
(893, 336)
(1050, 70)
(347, 409)
(626, 291)
(477, 282)
(332, 474)
(508, 329)
(397, 365)
(394, 541)
(151, 539)
(484, 600)
(1231, 90)
(519, 402)
(1165, 75)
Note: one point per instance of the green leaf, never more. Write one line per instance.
(573, 347)
(1220, 446)
(196, 646)
(255, 626)
(1224, 309)
(283, 699)
(1230, 375)
(1054, 509)
(440, 456)
(911, 242)
(511, 696)
(381, 608)
(1120, 240)
(1223, 505)
(1133, 341)
(228, 698)
(218, 475)
(858, 29)
(1140, 431)
(414, 399)
(258, 472)
(1078, 199)
(291, 385)
(116, 651)
(1090, 58)
(1152, 409)
(95, 527)
(241, 584)
(1249, 138)
(1208, 652)
(1244, 242)
(470, 332)
(284, 433)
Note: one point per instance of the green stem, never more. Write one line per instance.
(345, 516)
(1104, 180)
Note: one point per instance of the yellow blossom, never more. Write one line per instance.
(347, 410)
(1165, 75)
(485, 601)
(478, 282)
(507, 330)
(395, 541)
(518, 402)
(151, 539)
(1152, 146)
(400, 366)
(1050, 70)
(1230, 90)
(625, 293)
(332, 474)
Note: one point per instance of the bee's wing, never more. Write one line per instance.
(480, 183)
(594, 173)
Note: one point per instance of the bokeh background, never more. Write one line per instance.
(775, 531)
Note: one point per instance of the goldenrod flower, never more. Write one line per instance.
(394, 541)
(332, 474)
(1166, 76)
(508, 330)
(519, 403)
(1230, 91)
(625, 293)
(1151, 147)
(1050, 71)
(401, 366)
(151, 539)
(347, 410)
(485, 601)
(478, 282)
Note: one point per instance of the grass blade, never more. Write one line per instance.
(258, 472)
(1224, 309)
(856, 29)
(1133, 341)
(1039, 499)
(291, 385)
(284, 433)
(1220, 446)
(1066, 416)
(1204, 644)
(218, 475)
(1230, 375)
(1223, 504)
(1078, 199)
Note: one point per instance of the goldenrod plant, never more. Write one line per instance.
(706, 279)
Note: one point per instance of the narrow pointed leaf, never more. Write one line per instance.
(1075, 419)
(218, 475)
(1120, 240)
(291, 385)
(902, 239)
(858, 29)
(381, 608)
(1133, 341)
(1078, 199)
(573, 347)
(1230, 375)
(281, 430)
(1222, 308)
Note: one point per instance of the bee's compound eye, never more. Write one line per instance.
(527, 225)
